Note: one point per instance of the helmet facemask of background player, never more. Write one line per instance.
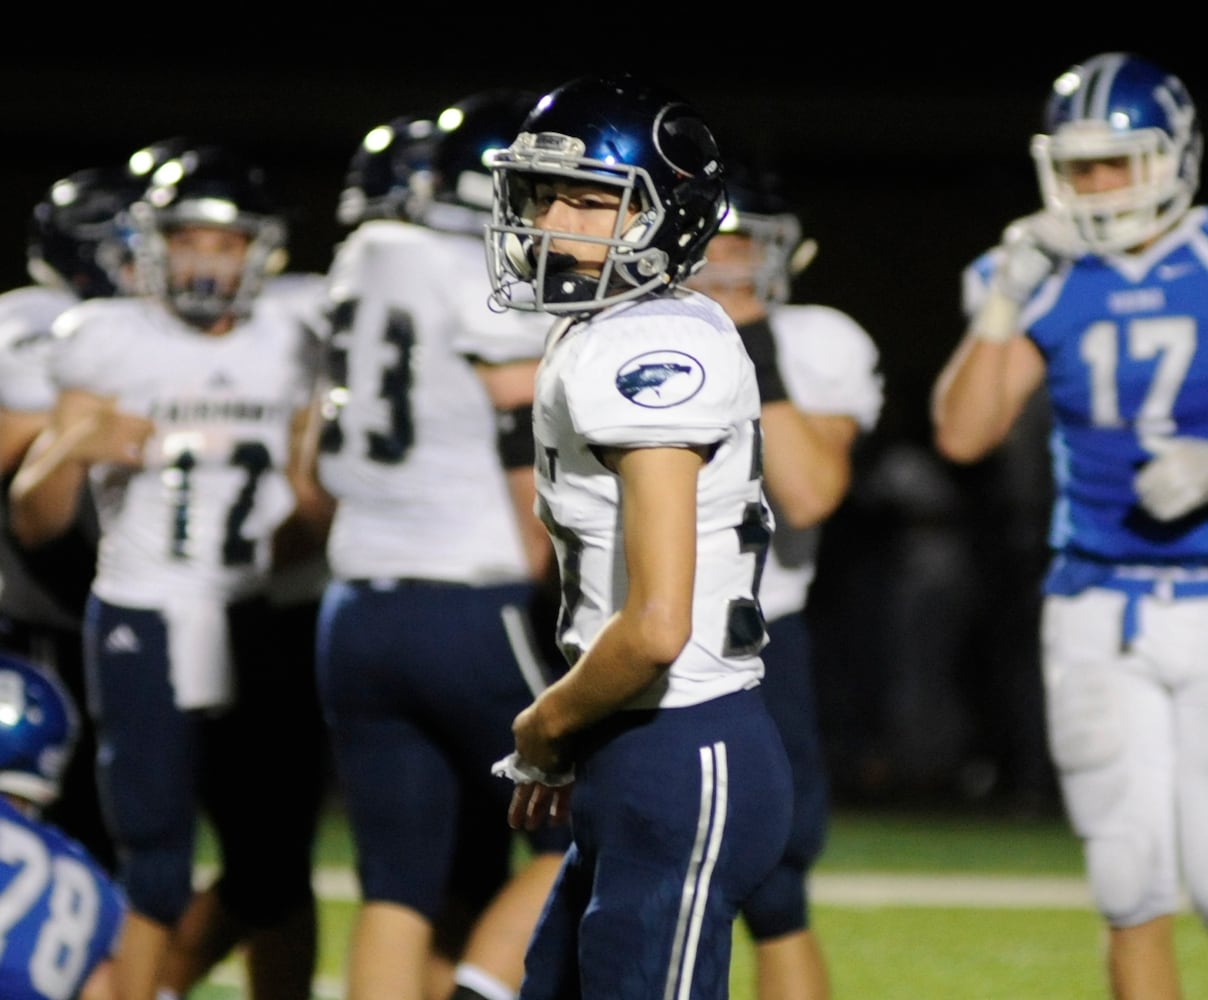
(768, 252)
(204, 278)
(648, 146)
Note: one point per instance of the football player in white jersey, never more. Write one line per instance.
(179, 407)
(1098, 301)
(274, 633)
(426, 649)
(647, 423)
(820, 388)
(75, 250)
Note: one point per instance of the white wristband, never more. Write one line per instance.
(997, 320)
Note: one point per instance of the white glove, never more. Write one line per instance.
(1175, 480)
(1029, 255)
(1030, 251)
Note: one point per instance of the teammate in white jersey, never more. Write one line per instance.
(819, 388)
(62, 911)
(75, 250)
(180, 408)
(425, 651)
(1098, 299)
(649, 477)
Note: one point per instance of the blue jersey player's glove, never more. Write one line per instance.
(1029, 256)
(1029, 253)
(1175, 481)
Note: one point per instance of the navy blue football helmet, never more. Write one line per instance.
(649, 145)
(759, 209)
(79, 233)
(208, 185)
(381, 180)
(145, 160)
(460, 190)
(39, 726)
(1119, 106)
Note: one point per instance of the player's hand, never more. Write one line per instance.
(1175, 480)
(534, 804)
(534, 745)
(110, 435)
(539, 796)
(1031, 251)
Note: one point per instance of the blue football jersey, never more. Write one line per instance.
(60, 914)
(1124, 364)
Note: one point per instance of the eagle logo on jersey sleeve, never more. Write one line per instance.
(659, 379)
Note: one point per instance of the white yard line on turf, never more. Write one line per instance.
(853, 889)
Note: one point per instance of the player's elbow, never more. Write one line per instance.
(960, 447)
(663, 634)
(812, 504)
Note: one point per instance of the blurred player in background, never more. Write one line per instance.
(820, 388)
(62, 911)
(273, 634)
(427, 646)
(180, 407)
(1098, 299)
(77, 248)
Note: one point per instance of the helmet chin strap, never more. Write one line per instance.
(557, 263)
(567, 286)
(561, 283)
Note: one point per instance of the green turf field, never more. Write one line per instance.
(908, 906)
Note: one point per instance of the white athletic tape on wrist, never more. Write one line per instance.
(997, 320)
(521, 773)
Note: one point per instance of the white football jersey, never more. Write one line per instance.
(408, 446)
(668, 371)
(26, 317)
(829, 365)
(198, 517)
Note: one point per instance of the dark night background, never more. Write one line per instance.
(903, 144)
(905, 152)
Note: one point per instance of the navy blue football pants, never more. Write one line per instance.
(678, 814)
(781, 904)
(420, 682)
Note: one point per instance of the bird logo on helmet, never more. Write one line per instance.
(647, 143)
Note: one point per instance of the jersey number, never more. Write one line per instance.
(390, 443)
(254, 459)
(61, 948)
(1170, 339)
(744, 619)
